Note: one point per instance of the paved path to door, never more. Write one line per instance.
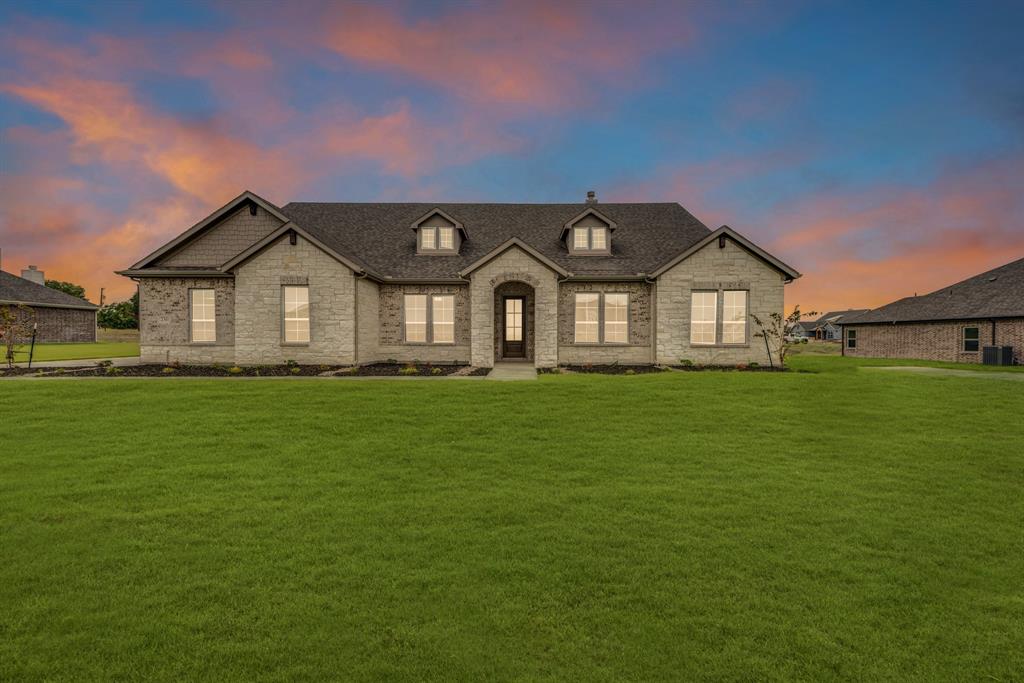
(84, 363)
(513, 371)
(950, 372)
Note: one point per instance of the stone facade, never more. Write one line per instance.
(165, 321)
(639, 349)
(940, 341)
(259, 337)
(514, 265)
(714, 268)
(64, 324)
(392, 345)
(367, 321)
(229, 238)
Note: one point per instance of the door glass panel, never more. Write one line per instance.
(513, 320)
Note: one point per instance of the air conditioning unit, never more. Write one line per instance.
(997, 355)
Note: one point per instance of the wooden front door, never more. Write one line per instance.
(514, 338)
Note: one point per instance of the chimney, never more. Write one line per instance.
(35, 275)
(591, 197)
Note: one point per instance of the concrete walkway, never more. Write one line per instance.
(506, 372)
(950, 372)
(82, 363)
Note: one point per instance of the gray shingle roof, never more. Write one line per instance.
(14, 289)
(998, 293)
(836, 317)
(378, 236)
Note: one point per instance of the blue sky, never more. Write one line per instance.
(875, 146)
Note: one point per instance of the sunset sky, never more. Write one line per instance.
(876, 147)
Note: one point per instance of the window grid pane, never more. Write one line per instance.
(616, 318)
(429, 238)
(444, 319)
(204, 325)
(296, 314)
(416, 317)
(587, 317)
(703, 317)
(598, 238)
(734, 317)
(580, 239)
(446, 238)
(514, 320)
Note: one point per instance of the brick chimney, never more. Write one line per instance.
(591, 197)
(34, 274)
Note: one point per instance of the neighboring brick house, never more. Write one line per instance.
(59, 317)
(340, 283)
(954, 323)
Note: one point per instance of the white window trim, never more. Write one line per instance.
(746, 318)
(714, 321)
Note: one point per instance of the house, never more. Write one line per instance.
(954, 323)
(59, 317)
(340, 283)
(825, 328)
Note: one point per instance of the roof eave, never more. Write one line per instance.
(727, 232)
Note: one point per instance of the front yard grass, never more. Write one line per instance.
(830, 524)
(76, 351)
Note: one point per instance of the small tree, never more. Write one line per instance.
(16, 325)
(118, 316)
(67, 287)
(774, 331)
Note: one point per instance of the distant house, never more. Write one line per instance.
(954, 323)
(60, 317)
(827, 327)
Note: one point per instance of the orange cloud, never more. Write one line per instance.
(527, 53)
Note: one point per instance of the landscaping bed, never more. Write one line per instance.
(648, 369)
(161, 370)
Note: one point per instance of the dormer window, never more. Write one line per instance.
(438, 234)
(589, 234)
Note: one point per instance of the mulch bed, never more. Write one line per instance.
(375, 370)
(649, 369)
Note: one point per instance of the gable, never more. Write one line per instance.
(590, 221)
(224, 239)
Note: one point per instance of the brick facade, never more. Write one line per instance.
(64, 324)
(636, 352)
(941, 341)
(392, 345)
(164, 324)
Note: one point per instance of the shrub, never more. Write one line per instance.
(235, 370)
(686, 362)
(741, 366)
(753, 365)
(104, 363)
(168, 371)
(804, 340)
(555, 371)
(409, 370)
(59, 371)
(631, 371)
(290, 363)
(111, 370)
(296, 370)
(436, 371)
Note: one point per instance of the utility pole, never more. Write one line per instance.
(102, 296)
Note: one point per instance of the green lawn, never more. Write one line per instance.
(45, 352)
(830, 524)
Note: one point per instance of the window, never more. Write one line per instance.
(296, 315)
(734, 317)
(589, 239)
(430, 319)
(429, 238)
(580, 238)
(204, 317)
(446, 238)
(514, 320)
(416, 318)
(587, 320)
(971, 340)
(851, 339)
(703, 317)
(443, 317)
(616, 318)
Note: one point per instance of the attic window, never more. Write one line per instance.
(589, 239)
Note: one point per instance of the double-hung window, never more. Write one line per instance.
(296, 315)
(703, 317)
(589, 239)
(428, 237)
(734, 317)
(602, 318)
(851, 339)
(204, 316)
(971, 340)
(446, 238)
(429, 319)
